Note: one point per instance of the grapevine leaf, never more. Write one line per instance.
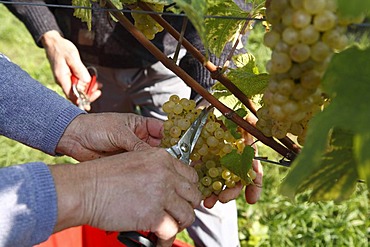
(241, 60)
(246, 78)
(353, 8)
(195, 10)
(346, 81)
(239, 163)
(362, 155)
(164, 2)
(232, 126)
(333, 180)
(222, 30)
(249, 83)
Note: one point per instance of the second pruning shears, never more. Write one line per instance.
(83, 95)
(181, 150)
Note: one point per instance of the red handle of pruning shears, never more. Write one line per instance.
(90, 86)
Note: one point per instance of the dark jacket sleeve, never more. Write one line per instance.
(37, 17)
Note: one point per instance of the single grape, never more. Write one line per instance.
(206, 181)
(226, 174)
(210, 164)
(314, 6)
(300, 52)
(168, 107)
(217, 185)
(301, 19)
(324, 21)
(309, 35)
(271, 38)
(230, 183)
(290, 35)
(174, 98)
(281, 62)
(213, 172)
(175, 131)
(178, 108)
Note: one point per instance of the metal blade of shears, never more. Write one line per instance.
(186, 144)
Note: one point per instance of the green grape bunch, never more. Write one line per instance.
(146, 24)
(303, 37)
(213, 143)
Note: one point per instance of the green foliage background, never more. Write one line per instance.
(273, 221)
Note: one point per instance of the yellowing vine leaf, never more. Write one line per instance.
(344, 155)
(195, 11)
(246, 78)
(222, 30)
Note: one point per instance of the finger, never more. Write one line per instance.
(150, 130)
(165, 243)
(128, 141)
(155, 127)
(134, 143)
(210, 201)
(230, 193)
(185, 170)
(95, 95)
(188, 191)
(166, 231)
(253, 191)
(62, 74)
(180, 210)
(78, 69)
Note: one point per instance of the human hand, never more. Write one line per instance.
(140, 190)
(252, 191)
(65, 61)
(91, 136)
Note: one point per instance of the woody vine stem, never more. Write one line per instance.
(288, 151)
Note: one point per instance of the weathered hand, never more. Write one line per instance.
(65, 60)
(138, 190)
(91, 136)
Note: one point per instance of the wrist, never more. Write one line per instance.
(49, 38)
(68, 141)
(69, 182)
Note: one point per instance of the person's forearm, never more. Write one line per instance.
(31, 113)
(68, 179)
(38, 19)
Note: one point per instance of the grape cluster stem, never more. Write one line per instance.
(289, 153)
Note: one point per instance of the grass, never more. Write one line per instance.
(273, 221)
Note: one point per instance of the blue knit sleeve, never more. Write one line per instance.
(28, 208)
(29, 112)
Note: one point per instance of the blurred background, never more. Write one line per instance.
(273, 221)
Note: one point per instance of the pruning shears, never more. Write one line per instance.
(83, 96)
(181, 151)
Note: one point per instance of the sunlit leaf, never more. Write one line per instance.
(222, 30)
(347, 82)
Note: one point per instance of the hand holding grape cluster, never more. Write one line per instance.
(213, 143)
